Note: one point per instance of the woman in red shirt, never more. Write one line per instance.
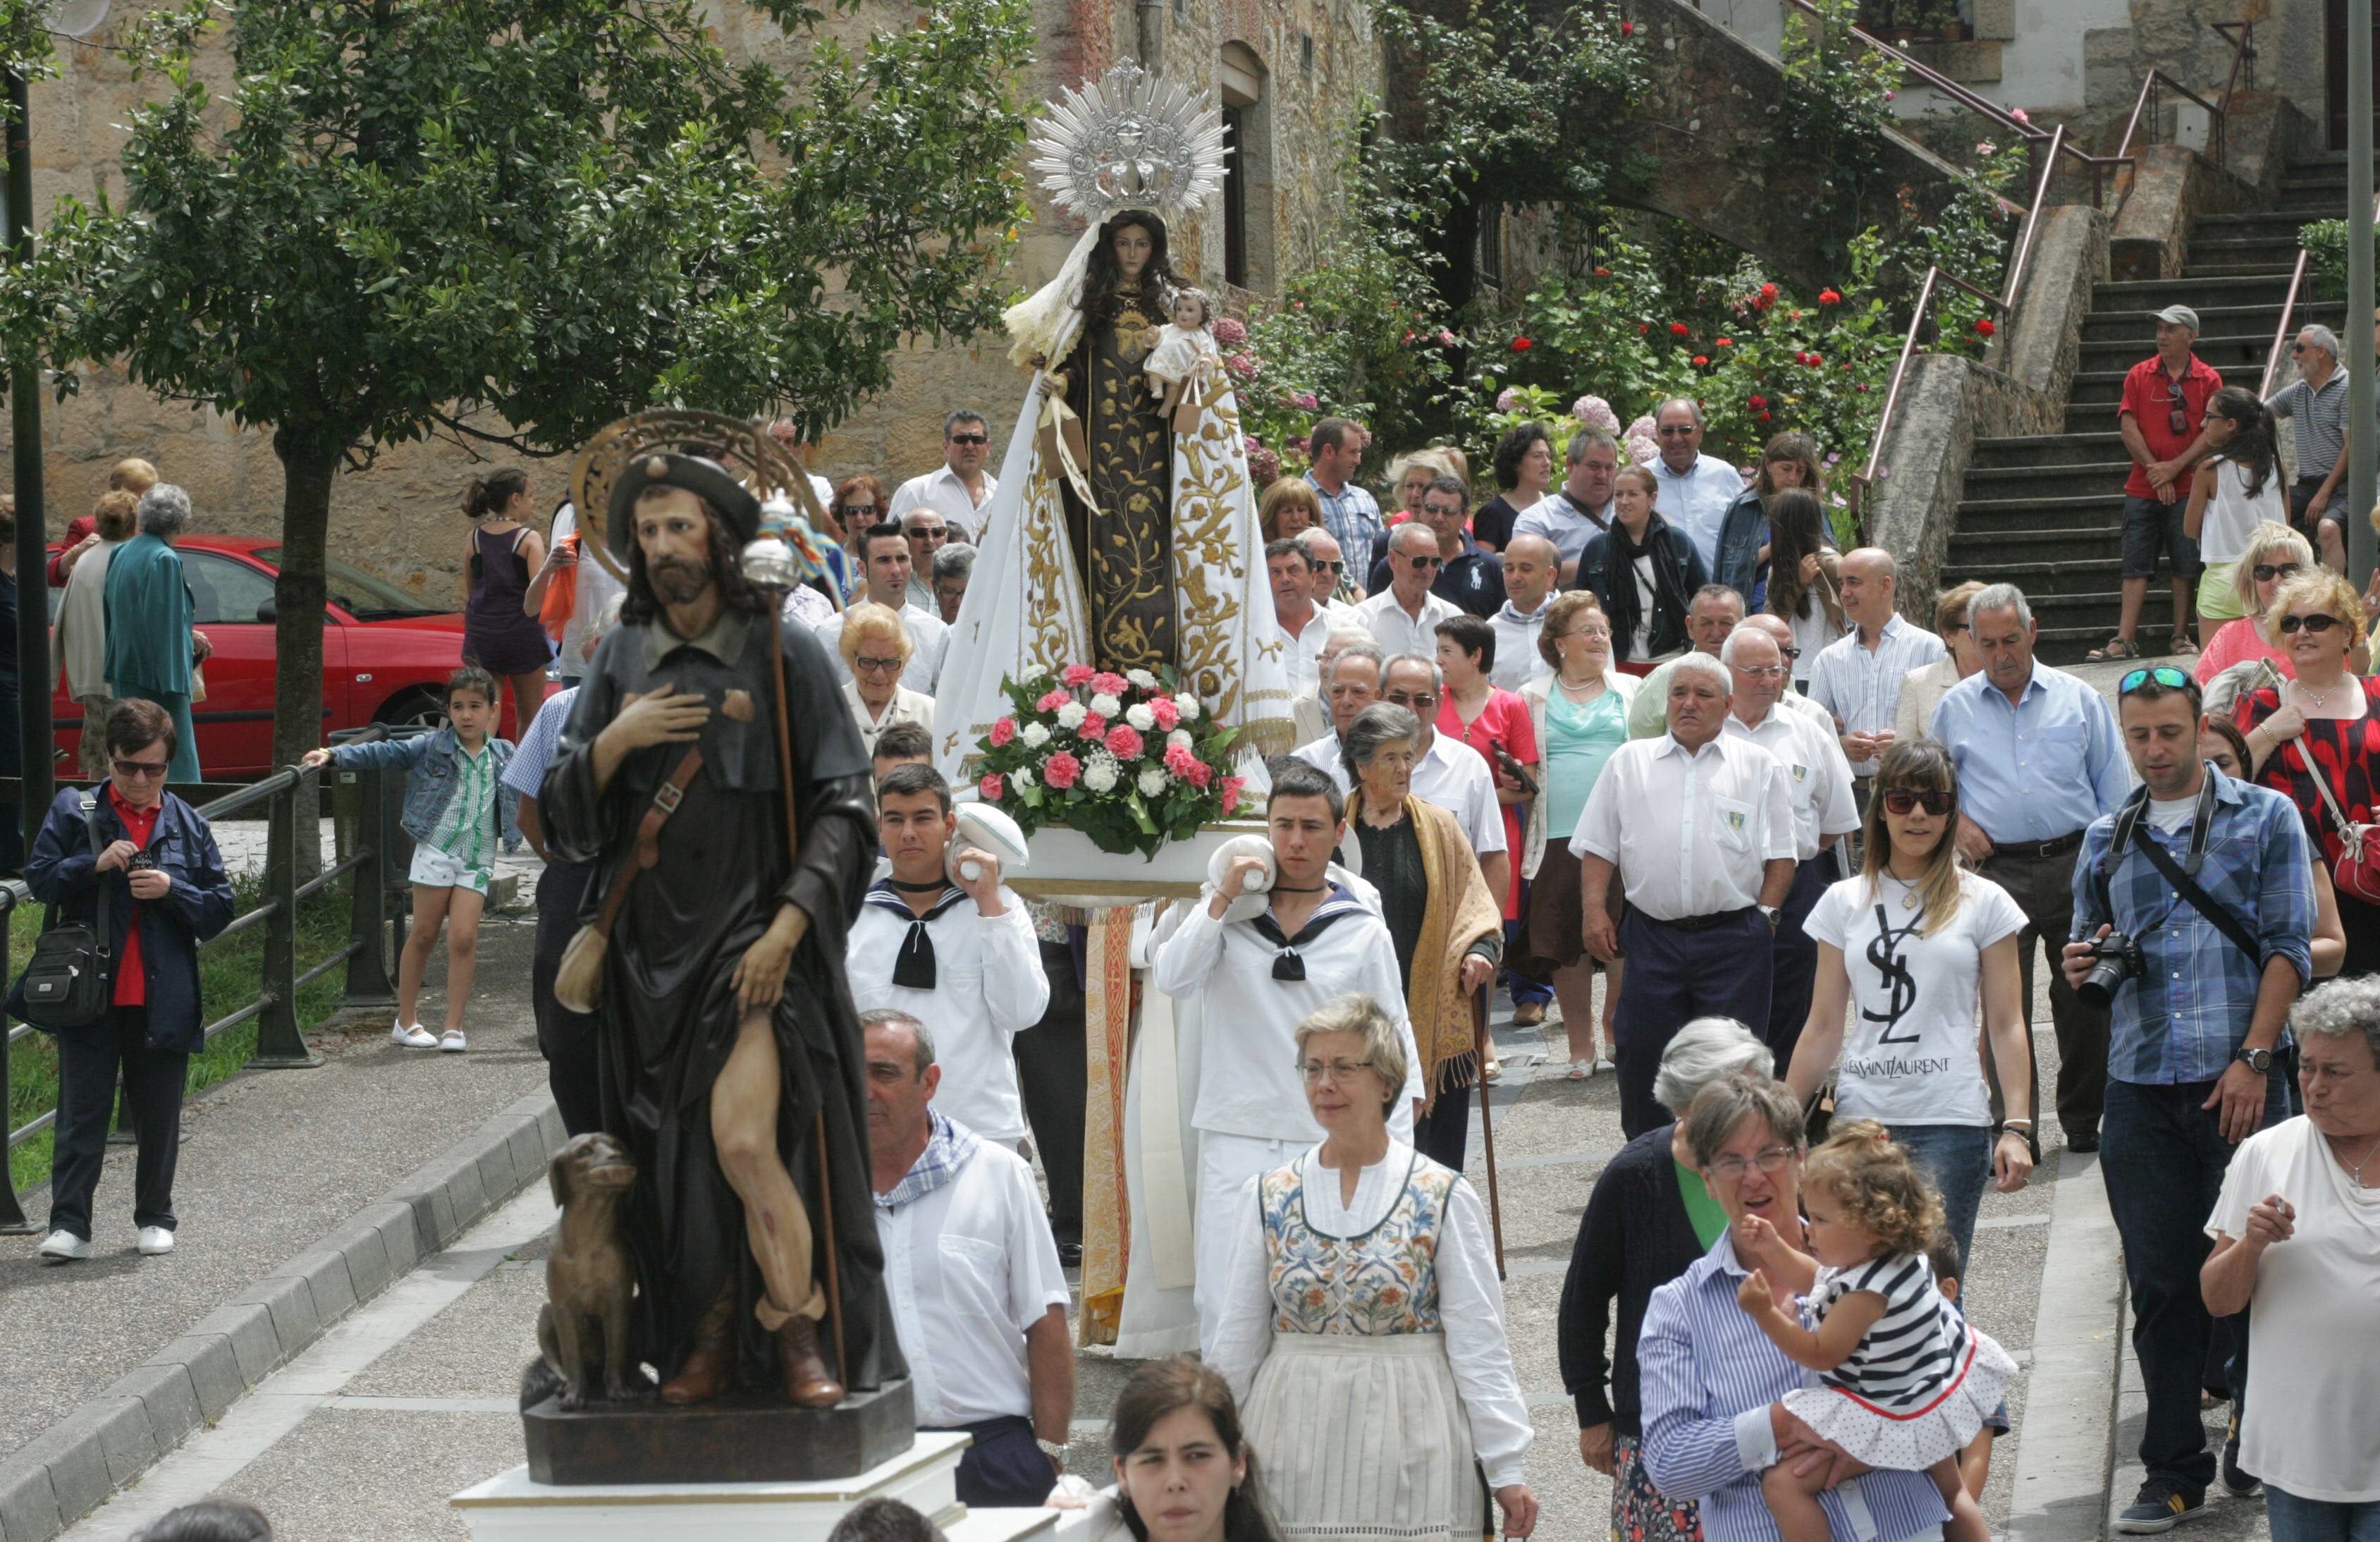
(1491, 720)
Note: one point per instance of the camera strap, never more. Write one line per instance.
(2181, 875)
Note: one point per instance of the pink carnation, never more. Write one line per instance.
(1109, 683)
(1003, 731)
(1094, 726)
(1178, 760)
(1166, 713)
(1123, 741)
(1230, 332)
(1200, 773)
(1060, 771)
(1231, 785)
(1074, 675)
(990, 786)
(1052, 701)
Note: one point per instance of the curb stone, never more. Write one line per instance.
(72, 1467)
(2065, 1447)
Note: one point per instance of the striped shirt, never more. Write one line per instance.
(1709, 1375)
(467, 826)
(2321, 418)
(1906, 1357)
(1861, 685)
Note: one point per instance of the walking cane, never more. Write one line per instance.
(1480, 1045)
(793, 854)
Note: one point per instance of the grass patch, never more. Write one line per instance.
(231, 974)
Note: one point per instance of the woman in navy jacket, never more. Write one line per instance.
(155, 891)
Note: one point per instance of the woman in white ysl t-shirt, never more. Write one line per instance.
(1907, 949)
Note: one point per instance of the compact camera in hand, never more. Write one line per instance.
(2116, 958)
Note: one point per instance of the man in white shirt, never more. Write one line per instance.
(1450, 773)
(1857, 677)
(927, 532)
(1351, 683)
(1315, 940)
(1777, 630)
(1712, 616)
(1530, 563)
(972, 1275)
(957, 953)
(1695, 489)
(888, 583)
(1315, 712)
(596, 588)
(961, 489)
(1302, 626)
(1818, 784)
(1700, 827)
(1403, 617)
(1580, 509)
(1324, 565)
(801, 452)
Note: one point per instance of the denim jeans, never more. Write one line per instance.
(2162, 1158)
(1957, 1158)
(2296, 1520)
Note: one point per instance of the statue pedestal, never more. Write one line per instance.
(742, 1438)
(514, 1506)
(1066, 866)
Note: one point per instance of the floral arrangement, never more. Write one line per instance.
(1131, 760)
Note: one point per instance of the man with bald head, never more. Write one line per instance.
(1775, 627)
(1818, 788)
(1326, 566)
(1531, 567)
(1857, 677)
(1714, 612)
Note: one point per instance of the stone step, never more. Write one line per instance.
(2199, 294)
(2278, 222)
(2315, 205)
(2020, 481)
(1999, 548)
(2224, 243)
(2074, 574)
(2073, 644)
(2261, 268)
(2051, 451)
(2103, 509)
(2140, 325)
(2106, 387)
(2121, 353)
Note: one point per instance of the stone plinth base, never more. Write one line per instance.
(514, 1506)
(736, 1439)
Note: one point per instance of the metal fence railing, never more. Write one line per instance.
(378, 912)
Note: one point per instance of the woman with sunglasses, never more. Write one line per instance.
(2323, 722)
(2271, 556)
(859, 502)
(1910, 947)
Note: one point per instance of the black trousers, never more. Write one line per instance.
(2043, 887)
(1673, 976)
(566, 1038)
(1793, 959)
(1052, 1075)
(1443, 1135)
(89, 1060)
(1004, 1468)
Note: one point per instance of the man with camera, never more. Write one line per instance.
(2194, 914)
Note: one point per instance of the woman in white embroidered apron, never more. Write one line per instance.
(1364, 1329)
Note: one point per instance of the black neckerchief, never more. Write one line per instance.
(1619, 579)
(913, 967)
(1288, 964)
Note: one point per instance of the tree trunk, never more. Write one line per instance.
(309, 460)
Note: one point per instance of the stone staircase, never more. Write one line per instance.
(2046, 511)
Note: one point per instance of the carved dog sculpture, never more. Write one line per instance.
(588, 1284)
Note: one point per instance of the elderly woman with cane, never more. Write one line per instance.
(1362, 1282)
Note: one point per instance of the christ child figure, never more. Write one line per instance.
(1184, 355)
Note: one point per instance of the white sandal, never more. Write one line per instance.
(413, 1037)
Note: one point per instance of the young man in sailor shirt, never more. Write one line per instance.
(956, 954)
(1316, 939)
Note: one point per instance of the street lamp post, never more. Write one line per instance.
(2363, 444)
(33, 672)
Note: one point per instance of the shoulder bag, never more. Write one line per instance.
(2357, 871)
(66, 983)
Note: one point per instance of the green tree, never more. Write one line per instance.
(511, 220)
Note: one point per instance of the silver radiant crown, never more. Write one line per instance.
(1130, 141)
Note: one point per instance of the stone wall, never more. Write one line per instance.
(1316, 59)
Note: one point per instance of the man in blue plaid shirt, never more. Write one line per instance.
(2192, 1060)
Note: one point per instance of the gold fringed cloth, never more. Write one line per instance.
(1107, 1216)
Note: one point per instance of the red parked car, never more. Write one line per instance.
(385, 654)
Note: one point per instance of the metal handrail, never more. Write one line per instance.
(280, 1042)
(2243, 53)
(2032, 221)
(2149, 83)
(2281, 334)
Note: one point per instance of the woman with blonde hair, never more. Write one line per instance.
(1363, 1326)
(1922, 690)
(876, 648)
(1580, 713)
(2317, 737)
(2273, 555)
(1287, 508)
(1909, 948)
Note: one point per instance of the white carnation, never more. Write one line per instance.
(1187, 705)
(1142, 678)
(1022, 777)
(1181, 739)
(1072, 714)
(1153, 781)
(1140, 717)
(1035, 735)
(1106, 705)
(1100, 775)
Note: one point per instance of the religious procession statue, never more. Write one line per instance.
(711, 776)
(1124, 534)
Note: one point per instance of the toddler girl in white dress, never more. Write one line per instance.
(1903, 1381)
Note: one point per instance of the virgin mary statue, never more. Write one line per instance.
(1118, 538)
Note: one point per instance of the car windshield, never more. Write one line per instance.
(359, 593)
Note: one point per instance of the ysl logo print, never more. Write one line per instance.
(1884, 956)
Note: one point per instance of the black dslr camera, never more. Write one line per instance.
(2116, 958)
